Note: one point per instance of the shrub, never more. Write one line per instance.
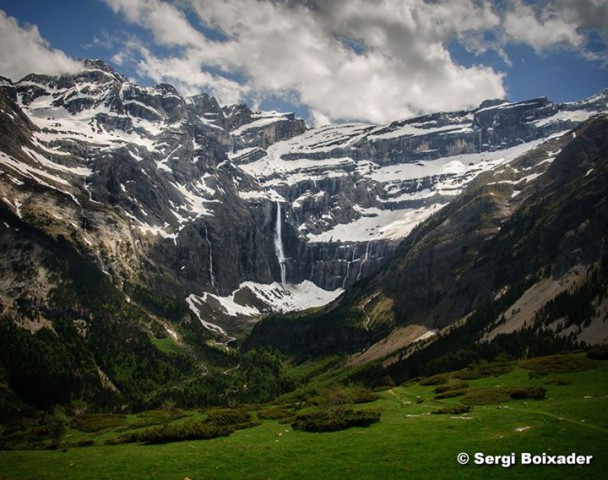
(484, 370)
(163, 412)
(150, 420)
(450, 386)
(557, 364)
(452, 410)
(228, 416)
(97, 422)
(486, 396)
(85, 443)
(341, 395)
(275, 413)
(219, 422)
(598, 353)
(361, 394)
(58, 423)
(387, 381)
(174, 433)
(558, 382)
(451, 394)
(534, 393)
(328, 421)
(438, 379)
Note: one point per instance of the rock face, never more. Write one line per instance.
(526, 238)
(360, 182)
(180, 195)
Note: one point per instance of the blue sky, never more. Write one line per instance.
(343, 60)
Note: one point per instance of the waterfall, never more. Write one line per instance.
(346, 276)
(278, 245)
(363, 261)
(348, 268)
(210, 258)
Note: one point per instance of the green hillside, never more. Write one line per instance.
(412, 440)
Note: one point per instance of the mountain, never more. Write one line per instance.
(134, 216)
(515, 264)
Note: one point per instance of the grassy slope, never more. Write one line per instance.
(407, 443)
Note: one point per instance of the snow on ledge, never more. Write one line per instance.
(269, 298)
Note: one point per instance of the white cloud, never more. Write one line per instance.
(168, 24)
(370, 60)
(590, 14)
(541, 28)
(24, 51)
(554, 24)
(287, 48)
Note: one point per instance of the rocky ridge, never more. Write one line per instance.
(185, 197)
(518, 259)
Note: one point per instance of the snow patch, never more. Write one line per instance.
(383, 224)
(272, 297)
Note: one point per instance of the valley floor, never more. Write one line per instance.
(409, 441)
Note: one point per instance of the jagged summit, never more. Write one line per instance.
(491, 103)
(97, 64)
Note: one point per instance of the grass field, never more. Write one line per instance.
(409, 441)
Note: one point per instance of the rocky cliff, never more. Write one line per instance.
(185, 197)
(522, 249)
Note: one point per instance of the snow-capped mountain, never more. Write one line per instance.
(238, 212)
(516, 264)
(404, 171)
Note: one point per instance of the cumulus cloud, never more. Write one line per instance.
(589, 14)
(344, 59)
(554, 24)
(541, 28)
(168, 24)
(24, 51)
(370, 60)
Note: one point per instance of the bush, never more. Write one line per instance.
(228, 416)
(387, 382)
(450, 386)
(560, 382)
(362, 395)
(174, 433)
(58, 423)
(328, 421)
(534, 393)
(85, 443)
(557, 364)
(453, 410)
(484, 370)
(451, 394)
(97, 422)
(341, 395)
(275, 413)
(486, 396)
(598, 353)
(154, 417)
(219, 422)
(438, 379)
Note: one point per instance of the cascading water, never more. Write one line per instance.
(278, 245)
(348, 268)
(210, 259)
(363, 261)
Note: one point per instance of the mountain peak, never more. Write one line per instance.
(97, 64)
(493, 102)
(100, 65)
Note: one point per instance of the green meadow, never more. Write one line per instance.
(553, 405)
